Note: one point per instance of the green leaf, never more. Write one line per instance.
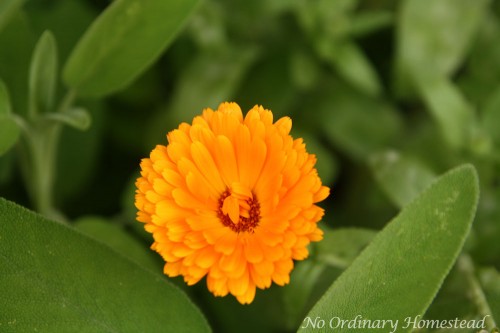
(326, 164)
(7, 9)
(352, 64)
(402, 178)
(205, 82)
(78, 118)
(303, 279)
(116, 237)
(16, 48)
(448, 106)
(490, 282)
(490, 117)
(5, 107)
(482, 74)
(76, 167)
(9, 130)
(57, 280)
(122, 42)
(340, 247)
(352, 120)
(435, 36)
(43, 75)
(368, 22)
(400, 272)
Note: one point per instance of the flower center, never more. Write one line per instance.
(239, 209)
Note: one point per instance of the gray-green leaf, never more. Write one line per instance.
(400, 272)
(55, 279)
(123, 41)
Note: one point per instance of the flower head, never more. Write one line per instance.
(232, 199)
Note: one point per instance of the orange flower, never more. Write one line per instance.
(232, 199)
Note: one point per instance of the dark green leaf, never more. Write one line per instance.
(9, 130)
(352, 121)
(452, 301)
(5, 107)
(400, 272)
(43, 75)
(341, 246)
(76, 167)
(16, 47)
(490, 116)
(57, 280)
(7, 10)
(402, 178)
(56, 16)
(352, 64)
(370, 21)
(326, 164)
(482, 74)
(207, 81)
(303, 279)
(122, 42)
(490, 282)
(116, 237)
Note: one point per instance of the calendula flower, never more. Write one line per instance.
(232, 199)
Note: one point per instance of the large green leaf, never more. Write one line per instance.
(400, 272)
(125, 39)
(55, 279)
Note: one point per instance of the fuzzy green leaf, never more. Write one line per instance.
(399, 273)
(122, 42)
(55, 279)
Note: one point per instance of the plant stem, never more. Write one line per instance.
(42, 138)
(466, 265)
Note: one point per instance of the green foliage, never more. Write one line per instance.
(57, 280)
(8, 127)
(43, 73)
(7, 9)
(399, 273)
(127, 37)
(387, 94)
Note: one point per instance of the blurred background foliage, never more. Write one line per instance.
(387, 94)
